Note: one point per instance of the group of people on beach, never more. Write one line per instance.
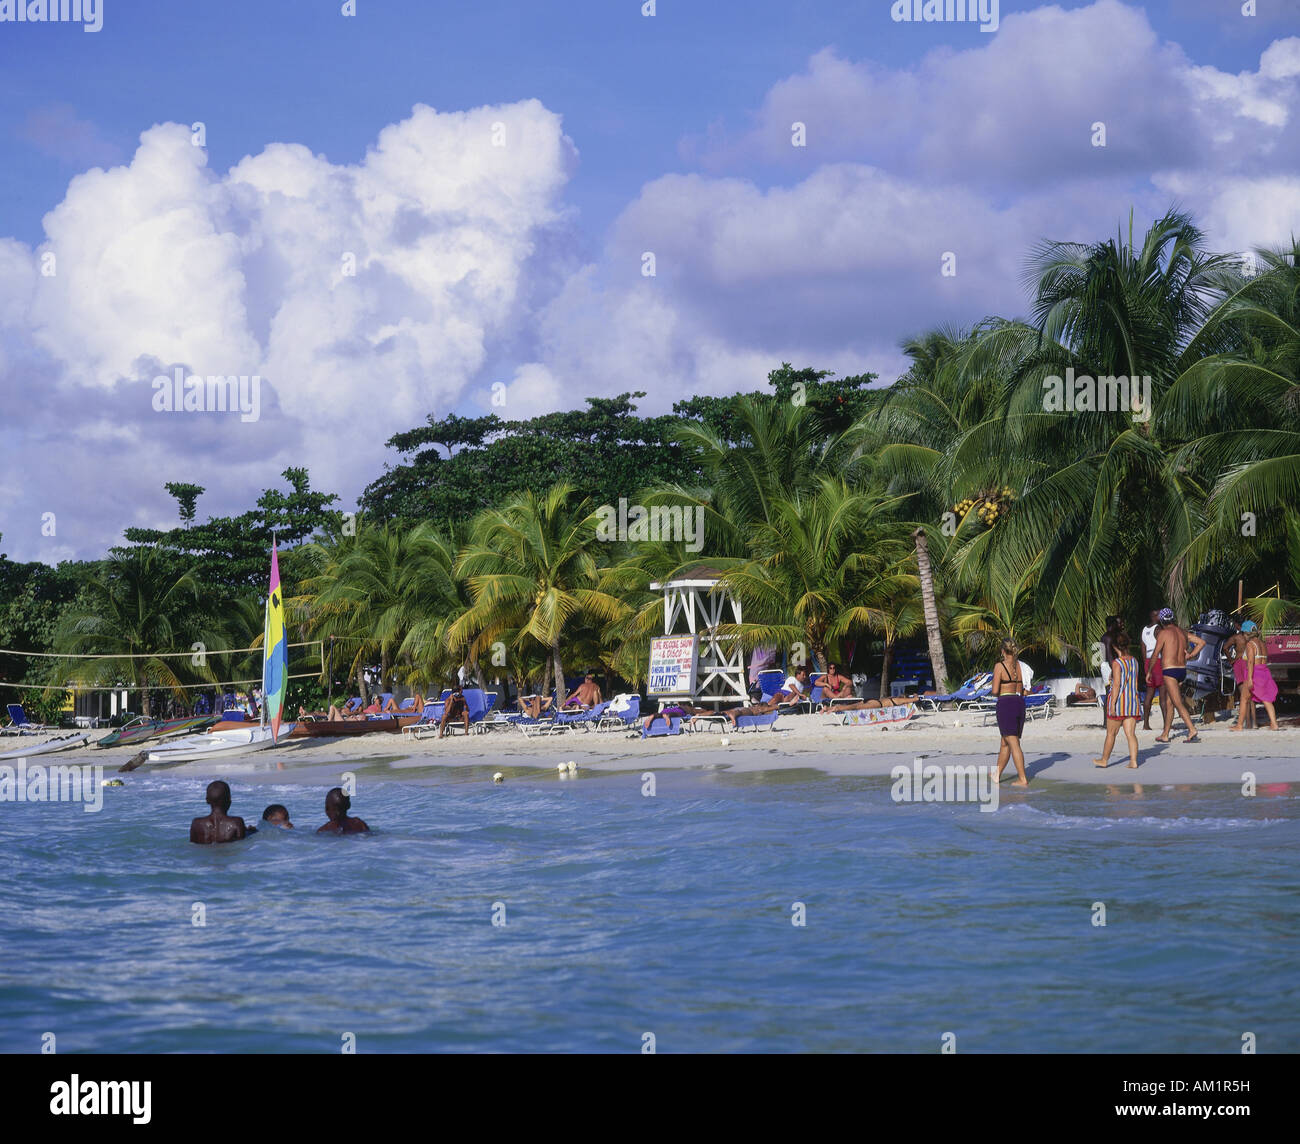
(1132, 684)
(219, 825)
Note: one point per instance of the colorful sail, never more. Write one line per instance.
(275, 666)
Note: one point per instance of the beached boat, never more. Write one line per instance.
(48, 746)
(196, 747)
(328, 728)
(141, 729)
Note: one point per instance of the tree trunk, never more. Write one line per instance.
(146, 703)
(384, 666)
(560, 694)
(546, 677)
(885, 664)
(937, 662)
(361, 686)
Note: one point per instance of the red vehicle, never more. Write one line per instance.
(1284, 658)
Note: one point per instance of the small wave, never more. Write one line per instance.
(1106, 822)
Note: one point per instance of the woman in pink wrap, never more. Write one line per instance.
(1258, 684)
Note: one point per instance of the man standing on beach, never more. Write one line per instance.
(1172, 646)
(217, 825)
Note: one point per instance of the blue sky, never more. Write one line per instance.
(669, 134)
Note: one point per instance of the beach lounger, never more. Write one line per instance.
(20, 724)
(620, 718)
(769, 683)
(757, 722)
(672, 727)
(972, 690)
(430, 714)
(584, 719)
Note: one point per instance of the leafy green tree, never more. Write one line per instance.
(133, 613)
(534, 568)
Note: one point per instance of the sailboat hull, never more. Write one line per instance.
(198, 747)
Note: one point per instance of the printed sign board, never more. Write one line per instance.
(673, 662)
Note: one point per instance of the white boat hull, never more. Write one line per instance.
(48, 746)
(236, 742)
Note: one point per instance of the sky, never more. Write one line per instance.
(422, 208)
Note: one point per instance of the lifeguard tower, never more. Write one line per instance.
(691, 660)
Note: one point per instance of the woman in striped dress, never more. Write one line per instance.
(1123, 705)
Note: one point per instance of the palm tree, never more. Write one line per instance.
(371, 590)
(134, 612)
(1238, 410)
(1099, 505)
(534, 569)
(821, 567)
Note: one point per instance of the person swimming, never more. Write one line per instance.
(218, 826)
(277, 815)
(337, 805)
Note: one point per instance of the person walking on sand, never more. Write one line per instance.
(1259, 685)
(1234, 647)
(1008, 687)
(1172, 647)
(1151, 675)
(1122, 702)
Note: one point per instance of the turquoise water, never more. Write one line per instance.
(669, 915)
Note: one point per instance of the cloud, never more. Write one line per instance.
(363, 296)
(55, 130)
(1020, 108)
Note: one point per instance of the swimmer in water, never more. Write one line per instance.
(218, 826)
(277, 815)
(337, 805)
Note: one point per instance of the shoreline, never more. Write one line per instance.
(1060, 749)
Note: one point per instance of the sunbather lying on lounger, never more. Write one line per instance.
(871, 704)
(677, 711)
(534, 705)
(392, 707)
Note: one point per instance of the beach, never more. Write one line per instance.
(1060, 749)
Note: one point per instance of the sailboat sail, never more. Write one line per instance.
(275, 666)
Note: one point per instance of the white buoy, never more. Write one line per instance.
(573, 767)
(725, 741)
(562, 768)
(498, 777)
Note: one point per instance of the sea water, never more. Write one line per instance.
(773, 911)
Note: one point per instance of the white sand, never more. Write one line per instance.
(1060, 748)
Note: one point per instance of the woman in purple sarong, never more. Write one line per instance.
(1258, 685)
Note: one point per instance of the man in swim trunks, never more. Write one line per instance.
(1172, 647)
(337, 805)
(586, 694)
(277, 815)
(217, 825)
